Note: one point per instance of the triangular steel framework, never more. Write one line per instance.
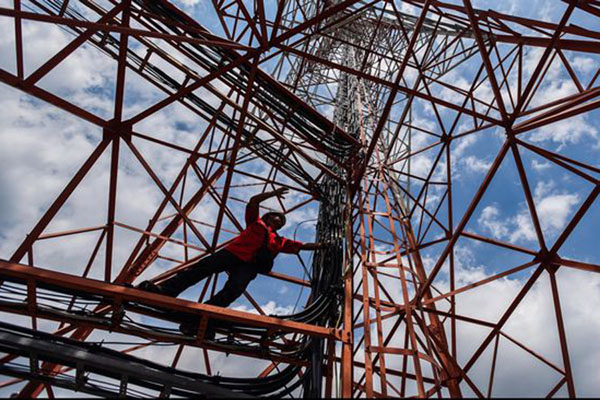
(320, 97)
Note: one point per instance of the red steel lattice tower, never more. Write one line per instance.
(370, 111)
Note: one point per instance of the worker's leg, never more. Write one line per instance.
(239, 278)
(240, 275)
(218, 262)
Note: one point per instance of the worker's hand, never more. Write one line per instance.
(313, 189)
(281, 192)
(325, 244)
(315, 246)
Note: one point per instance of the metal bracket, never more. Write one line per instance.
(123, 386)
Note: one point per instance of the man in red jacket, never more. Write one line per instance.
(239, 257)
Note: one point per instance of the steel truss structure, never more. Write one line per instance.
(325, 98)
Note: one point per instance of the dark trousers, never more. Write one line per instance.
(241, 274)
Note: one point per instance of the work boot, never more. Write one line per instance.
(190, 328)
(151, 287)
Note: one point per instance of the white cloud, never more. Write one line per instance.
(539, 166)
(475, 164)
(189, 2)
(421, 164)
(466, 153)
(271, 308)
(489, 221)
(523, 227)
(553, 208)
(533, 324)
(568, 131)
(462, 145)
(584, 64)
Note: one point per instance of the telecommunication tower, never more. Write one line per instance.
(365, 110)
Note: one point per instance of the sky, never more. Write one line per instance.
(41, 147)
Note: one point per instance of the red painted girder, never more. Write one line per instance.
(109, 291)
(213, 41)
(48, 97)
(244, 59)
(383, 82)
(585, 46)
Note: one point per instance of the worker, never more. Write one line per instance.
(250, 253)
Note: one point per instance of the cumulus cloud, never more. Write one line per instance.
(467, 157)
(557, 84)
(539, 166)
(489, 220)
(523, 227)
(553, 208)
(583, 64)
(568, 131)
(475, 164)
(270, 308)
(189, 2)
(533, 324)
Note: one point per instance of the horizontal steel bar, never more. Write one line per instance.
(68, 282)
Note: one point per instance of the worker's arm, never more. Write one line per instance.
(293, 246)
(254, 203)
(314, 246)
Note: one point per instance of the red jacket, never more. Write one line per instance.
(246, 245)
